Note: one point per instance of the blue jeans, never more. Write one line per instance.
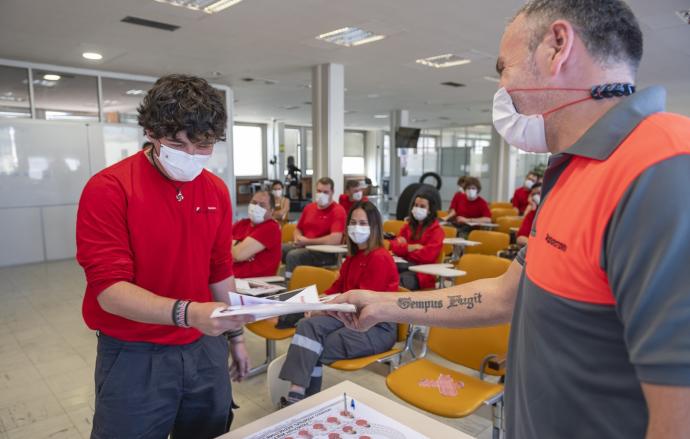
(148, 390)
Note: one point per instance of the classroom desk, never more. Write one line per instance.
(488, 226)
(442, 271)
(406, 416)
(339, 250)
(267, 279)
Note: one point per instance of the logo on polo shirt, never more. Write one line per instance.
(555, 243)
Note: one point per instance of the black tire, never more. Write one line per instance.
(407, 196)
(435, 176)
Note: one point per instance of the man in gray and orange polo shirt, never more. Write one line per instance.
(600, 298)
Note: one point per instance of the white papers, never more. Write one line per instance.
(255, 287)
(261, 308)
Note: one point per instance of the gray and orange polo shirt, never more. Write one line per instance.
(604, 299)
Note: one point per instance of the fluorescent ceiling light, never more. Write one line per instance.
(51, 77)
(350, 37)
(442, 61)
(380, 116)
(208, 6)
(135, 92)
(94, 56)
(492, 79)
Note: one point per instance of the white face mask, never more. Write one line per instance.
(419, 213)
(529, 184)
(358, 234)
(278, 193)
(322, 199)
(472, 194)
(257, 214)
(181, 166)
(357, 196)
(461, 189)
(523, 132)
(536, 198)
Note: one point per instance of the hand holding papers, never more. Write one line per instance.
(306, 300)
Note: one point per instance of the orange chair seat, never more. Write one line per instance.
(361, 362)
(267, 329)
(404, 382)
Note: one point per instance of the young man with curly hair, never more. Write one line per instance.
(154, 239)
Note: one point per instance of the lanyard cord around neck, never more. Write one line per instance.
(179, 197)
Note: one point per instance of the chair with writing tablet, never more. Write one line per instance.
(302, 277)
(491, 242)
(447, 392)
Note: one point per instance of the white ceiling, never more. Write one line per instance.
(274, 40)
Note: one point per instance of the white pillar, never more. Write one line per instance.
(279, 135)
(398, 118)
(328, 123)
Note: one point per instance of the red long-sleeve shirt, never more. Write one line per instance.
(521, 199)
(374, 271)
(130, 227)
(344, 200)
(431, 240)
(477, 208)
(265, 262)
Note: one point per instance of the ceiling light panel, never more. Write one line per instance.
(208, 6)
(350, 37)
(443, 61)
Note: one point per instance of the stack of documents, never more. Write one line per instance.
(306, 300)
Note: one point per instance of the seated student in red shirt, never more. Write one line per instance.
(521, 196)
(420, 241)
(354, 192)
(470, 207)
(322, 339)
(321, 222)
(526, 226)
(257, 239)
(457, 199)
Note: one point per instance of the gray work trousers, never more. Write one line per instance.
(295, 256)
(322, 340)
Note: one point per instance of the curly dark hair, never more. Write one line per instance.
(184, 103)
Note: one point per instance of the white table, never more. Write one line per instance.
(338, 250)
(460, 242)
(404, 415)
(482, 225)
(267, 279)
(459, 245)
(442, 271)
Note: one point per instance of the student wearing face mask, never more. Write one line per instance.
(521, 196)
(321, 222)
(154, 236)
(533, 204)
(470, 207)
(257, 239)
(420, 240)
(281, 206)
(354, 192)
(321, 339)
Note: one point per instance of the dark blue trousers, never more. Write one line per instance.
(147, 390)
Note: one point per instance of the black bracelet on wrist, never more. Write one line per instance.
(233, 334)
(186, 309)
(174, 311)
(180, 313)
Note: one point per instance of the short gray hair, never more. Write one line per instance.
(608, 28)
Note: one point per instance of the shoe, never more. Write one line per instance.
(284, 402)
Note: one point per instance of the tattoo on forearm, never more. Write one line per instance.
(467, 302)
(408, 303)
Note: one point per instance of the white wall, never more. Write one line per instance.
(44, 166)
